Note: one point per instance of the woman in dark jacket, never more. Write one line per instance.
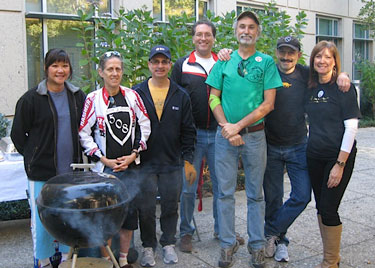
(331, 148)
(45, 132)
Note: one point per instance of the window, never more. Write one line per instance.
(243, 7)
(328, 29)
(361, 46)
(162, 9)
(49, 25)
(66, 6)
(202, 9)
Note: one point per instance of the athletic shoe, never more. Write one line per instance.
(148, 257)
(226, 255)
(169, 254)
(281, 254)
(257, 258)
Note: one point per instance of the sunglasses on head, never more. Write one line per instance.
(109, 54)
(241, 68)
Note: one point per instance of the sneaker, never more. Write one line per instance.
(169, 254)
(185, 244)
(239, 238)
(257, 258)
(270, 246)
(226, 255)
(148, 257)
(281, 254)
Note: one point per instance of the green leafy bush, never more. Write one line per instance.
(13, 210)
(367, 85)
(4, 124)
(134, 32)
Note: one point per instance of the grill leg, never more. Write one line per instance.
(75, 255)
(196, 229)
(115, 263)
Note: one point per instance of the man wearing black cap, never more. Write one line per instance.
(286, 148)
(170, 147)
(243, 91)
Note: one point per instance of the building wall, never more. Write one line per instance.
(13, 78)
(13, 67)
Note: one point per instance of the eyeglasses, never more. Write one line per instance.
(109, 54)
(157, 62)
(241, 68)
(205, 35)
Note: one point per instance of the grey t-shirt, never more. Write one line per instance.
(64, 147)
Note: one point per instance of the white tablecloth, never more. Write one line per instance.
(13, 179)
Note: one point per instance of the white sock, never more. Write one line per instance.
(44, 262)
(107, 258)
(64, 256)
(123, 260)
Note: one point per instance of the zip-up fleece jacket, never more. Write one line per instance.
(94, 118)
(189, 74)
(172, 138)
(35, 126)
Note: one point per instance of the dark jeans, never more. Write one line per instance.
(129, 177)
(168, 185)
(279, 215)
(328, 199)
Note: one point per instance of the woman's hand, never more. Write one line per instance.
(111, 163)
(123, 162)
(335, 176)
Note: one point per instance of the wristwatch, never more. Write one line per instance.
(136, 152)
(340, 163)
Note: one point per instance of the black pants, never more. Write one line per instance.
(328, 199)
(168, 185)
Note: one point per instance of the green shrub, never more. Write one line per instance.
(4, 124)
(367, 122)
(13, 210)
(134, 32)
(367, 72)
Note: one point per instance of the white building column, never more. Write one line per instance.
(13, 67)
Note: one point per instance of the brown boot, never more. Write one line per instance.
(185, 244)
(331, 237)
(321, 234)
(331, 241)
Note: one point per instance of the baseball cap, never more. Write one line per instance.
(289, 41)
(159, 49)
(249, 14)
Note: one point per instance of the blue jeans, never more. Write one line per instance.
(205, 147)
(280, 216)
(253, 154)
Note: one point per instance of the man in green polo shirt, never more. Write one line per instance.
(243, 92)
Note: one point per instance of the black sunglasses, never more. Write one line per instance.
(112, 101)
(241, 68)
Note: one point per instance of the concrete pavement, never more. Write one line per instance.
(305, 248)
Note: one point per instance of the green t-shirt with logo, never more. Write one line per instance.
(242, 95)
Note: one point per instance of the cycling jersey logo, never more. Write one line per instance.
(119, 123)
